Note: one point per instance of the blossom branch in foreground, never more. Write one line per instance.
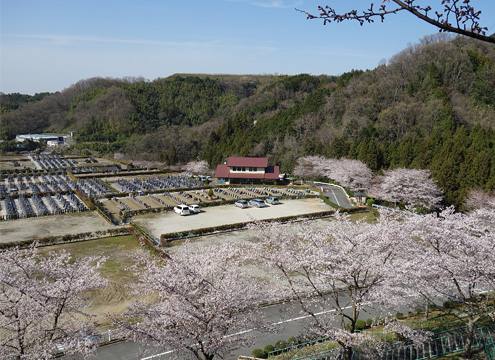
(42, 300)
(199, 304)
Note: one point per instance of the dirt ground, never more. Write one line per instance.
(35, 228)
(169, 222)
(116, 297)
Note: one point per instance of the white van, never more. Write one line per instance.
(182, 210)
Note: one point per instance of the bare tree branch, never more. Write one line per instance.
(457, 16)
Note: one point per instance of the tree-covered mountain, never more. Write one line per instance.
(431, 106)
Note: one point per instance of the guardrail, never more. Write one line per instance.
(490, 346)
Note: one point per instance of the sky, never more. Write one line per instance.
(48, 45)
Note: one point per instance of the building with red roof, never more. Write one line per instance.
(247, 170)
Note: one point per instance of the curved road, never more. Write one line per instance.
(335, 194)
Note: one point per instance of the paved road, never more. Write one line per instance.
(287, 316)
(335, 195)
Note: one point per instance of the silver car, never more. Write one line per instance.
(272, 200)
(257, 203)
(241, 203)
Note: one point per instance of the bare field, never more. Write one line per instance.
(116, 297)
(57, 225)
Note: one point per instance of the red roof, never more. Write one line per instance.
(271, 173)
(247, 162)
(223, 171)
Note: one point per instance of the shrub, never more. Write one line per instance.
(281, 344)
(292, 340)
(268, 349)
(449, 304)
(400, 316)
(258, 353)
(369, 322)
(360, 325)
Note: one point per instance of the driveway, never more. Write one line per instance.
(335, 195)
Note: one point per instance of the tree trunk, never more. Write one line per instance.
(427, 308)
(469, 339)
(347, 353)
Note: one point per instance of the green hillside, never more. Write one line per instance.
(432, 106)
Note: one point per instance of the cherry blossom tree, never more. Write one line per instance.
(344, 266)
(42, 298)
(199, 167)
(479, 199)
(456, 16)
(452, 257)
(350, 173)
(202, 306)
(409, 186)
(353, 174)
(310, 167)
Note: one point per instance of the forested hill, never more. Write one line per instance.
(431, 106)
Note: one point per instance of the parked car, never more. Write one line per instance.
(257, 203)
(182, 210)
(272, 200)
(194, 209)
(241, 203)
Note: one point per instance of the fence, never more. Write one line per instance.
(445, 343)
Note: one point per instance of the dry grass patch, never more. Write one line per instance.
(116, 297)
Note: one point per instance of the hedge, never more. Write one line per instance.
(62, 239)
(127, 172)
(165, 238)
(107, 217)
(71, 175)
(110, 187)
(85, 200)
(145, 240)
(123, 162)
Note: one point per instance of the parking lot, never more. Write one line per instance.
(170, 222)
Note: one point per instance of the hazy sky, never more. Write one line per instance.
(47, 45)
